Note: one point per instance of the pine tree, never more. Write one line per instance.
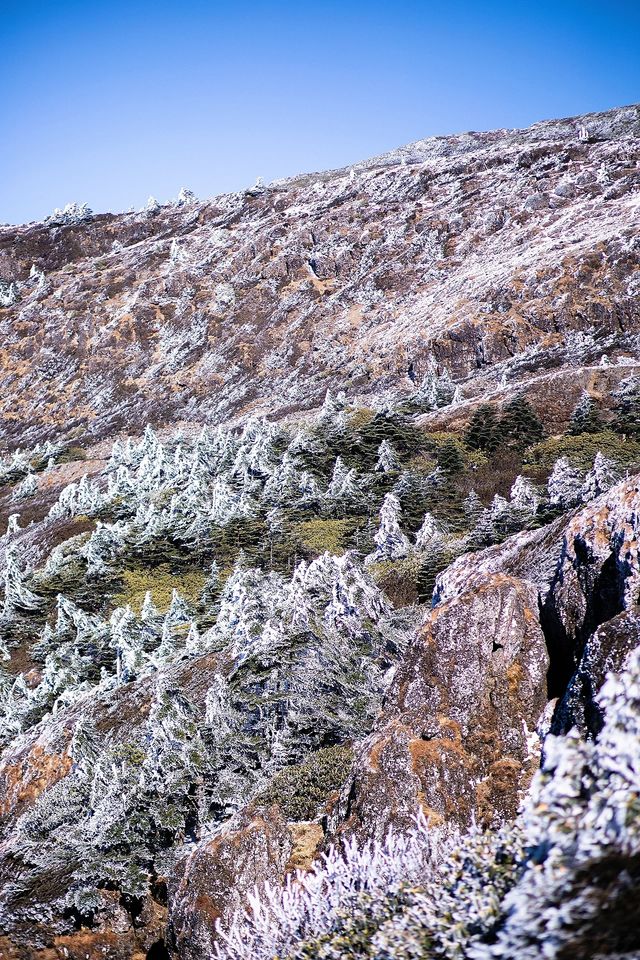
(430, 536)
(602, 476)
(484, 532)
(564, 486)
(585, 417)
(472, 508)
(390, 541)
(520, 425)
(482, 432)
(17, 596)
(13, 524)
(127, 643)
(524, 497)
(626, 408)
(387, 461)
(26, 488)
(450, 459)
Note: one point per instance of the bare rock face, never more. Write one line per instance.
(217, 877)
(458, 734)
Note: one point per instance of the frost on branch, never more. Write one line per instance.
(602, 476)
(564, 486)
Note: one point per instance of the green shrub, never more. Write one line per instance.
(398, 579)
(582, 449)
(160, 581)
(299, 790)
(70, 454)
(318, 536)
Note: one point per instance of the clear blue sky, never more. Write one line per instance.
(108, 102)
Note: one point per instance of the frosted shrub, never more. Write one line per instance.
(350, 886)
(8, 294)
(72, 213)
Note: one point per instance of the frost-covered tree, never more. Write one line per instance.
(176, 253)
(185, 197)
(127, 642)
(71, 213)
(13, 524)
(431, 534)
(331, 415)
(346, 488)
(472, 508)
(388, 460)
(18, 598)
(626, 407)
(391, 543)
(484, 532)
(564, 486)
(149, 613)
(103, 547)
(602, 476)
(211, 586)
(524, 496)
(8, 294)
(586, 416)
(26, 488)
(580, 819)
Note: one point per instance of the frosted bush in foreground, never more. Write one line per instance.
(351, 886)
(556, 884)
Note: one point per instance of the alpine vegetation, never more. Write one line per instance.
(534, 888)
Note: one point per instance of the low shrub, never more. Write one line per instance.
(581, 449)
(299, 790)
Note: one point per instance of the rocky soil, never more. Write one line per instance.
(226, 651)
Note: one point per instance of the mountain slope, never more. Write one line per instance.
(500, 254)
(321, 512)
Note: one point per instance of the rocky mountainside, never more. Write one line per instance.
(319, 509)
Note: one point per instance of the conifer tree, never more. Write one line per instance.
(430, 536)
(602, 476)
(564, 486)
(472, 508)
(520, 425)
(450, 459)
(585, 417)
(391, 543)
(17, 596)
(626, 408)
(387, 461)
(482, 432)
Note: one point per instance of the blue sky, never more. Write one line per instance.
(110, 102)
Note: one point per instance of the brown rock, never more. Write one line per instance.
(458, 731)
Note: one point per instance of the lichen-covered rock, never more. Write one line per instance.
(216, 879)
(458, 734)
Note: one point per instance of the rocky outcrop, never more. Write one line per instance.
(218, 877)
(458, 732)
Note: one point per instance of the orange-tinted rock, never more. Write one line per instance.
(458, 733)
